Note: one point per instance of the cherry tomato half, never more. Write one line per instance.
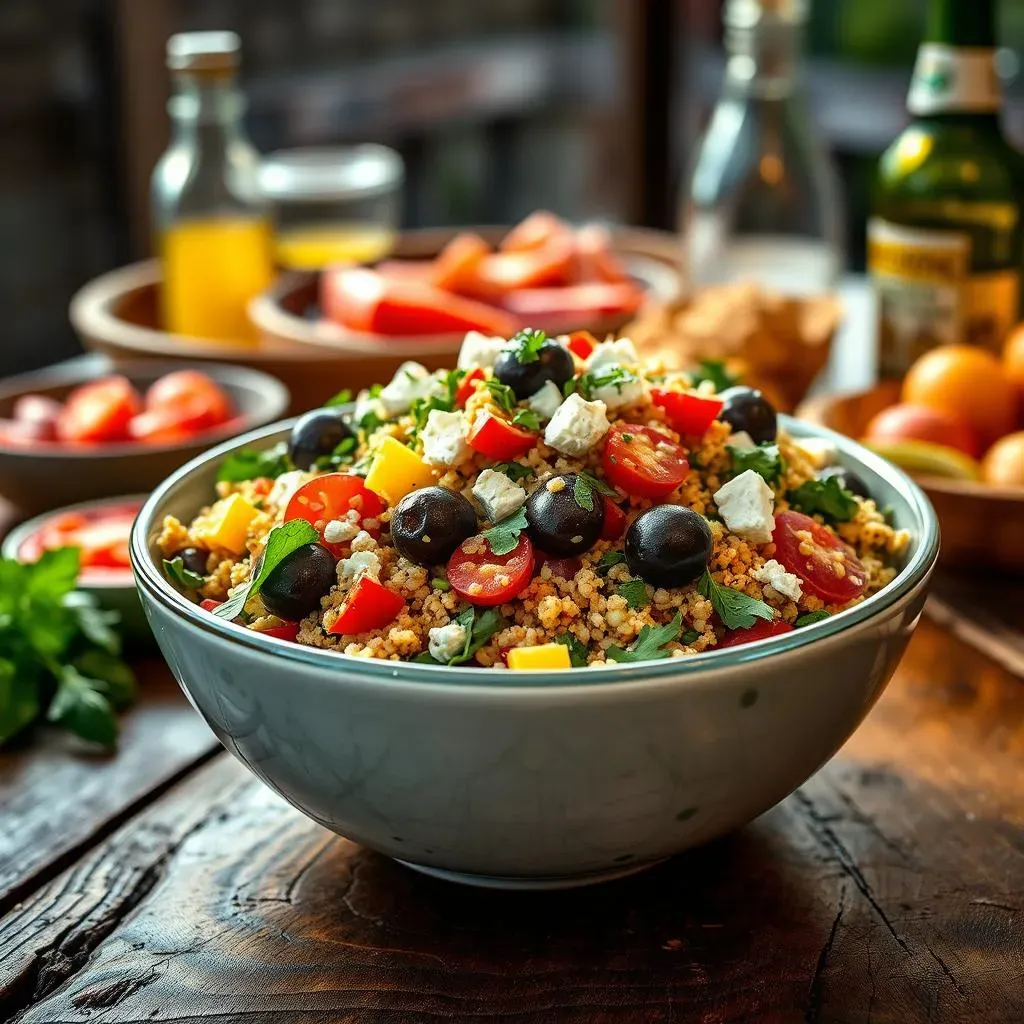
(614, 519)
(99, 411)
(689, 414)
(486, 579)
(333, 496)
(499, 439)
(468, 386)
(758, 631)
(369, 605)
(829, 569)
(642, 462)
(199, 400)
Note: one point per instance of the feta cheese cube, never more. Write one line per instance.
(444, 438)
(411, 381)
(446, 641)
(746, 504)
(621, 352)
(498, 495)
(285, 486)
(775, 576)
(360, 563)
(741, 440)
(631, 390)
(479, 350)
(546, 401)
(820, 451)
(338, 531)
(577, 425)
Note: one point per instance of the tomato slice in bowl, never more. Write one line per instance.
(333, 496)
(643, 462)
(758, 631)
(826, 565)
(99, 411)
(484, 578)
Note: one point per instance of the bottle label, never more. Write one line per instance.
(928, 296)
(954, 78)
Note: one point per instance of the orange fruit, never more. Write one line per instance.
(968, 383)
(1013, 356)
(906, 422)
(1004, 463)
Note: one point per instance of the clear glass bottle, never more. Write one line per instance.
(213, 232)
(763, 202)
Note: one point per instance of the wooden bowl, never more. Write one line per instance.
(982, 526)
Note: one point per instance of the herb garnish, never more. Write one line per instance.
(614, 376)
(527, 345)
(584, 487)
(826, 497)
(343, 397)
(283, 540)
(764, 460)
(479, 629)
(504, 397)
(248, 465)
(344, 453)
(635, 593)
(182, 578)
(736, 609)
(423, 407)
(608, 561)
(577, 649)
(713, 370)
(648, 646)
(504, 536)
(513, 470)
(809, 618)
(691, 636)
(526, 418)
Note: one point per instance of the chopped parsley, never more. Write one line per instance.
(248, 465)
(764, 460)
(504, 536)
(827, 498)
(343, 397)
(479, 629)
(513, 470)
(613, 376)
(584, 487)
(344, 453)
(423, 407)
(608, 561)
(182, 578)
(809, 618)
(527, 345)
(650, 644)
(691, 636)
(714, 370)
(635, 593)
(736, 609)
(504, 397)
(577, 649)
(526, 418)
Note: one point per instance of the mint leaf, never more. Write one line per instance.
(343, 397)
(182, 578)
(736, 609)
(827, 498)
(527, 345)
(809, 618)
(283, 540)
(479, 629)
(504, 536)
(584, 487)
(714, 370)
(513, 470)
(608, 561)
(635, 593)
(649, 645)
(526, 418)
(79, 707)
(248, 465)
(764, 460)
(504, 397)
(577, 649)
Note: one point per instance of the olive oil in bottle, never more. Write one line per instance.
(945, 239)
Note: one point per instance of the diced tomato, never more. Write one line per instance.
(581, 344)
(614, 519)
(828, 567)
(535, 231)
(565, 568)
(595, 256)
(642, 462)
(458, 262)
(287, 631)
(369, 605)
(498, 439)
(197, 399)
(468, 386)
(688, 413)
(99, 411)
(483, 578)
(364, 300)
(543, 305)
(40, 413)
(208, 604)
(759, 631)
(333, 496)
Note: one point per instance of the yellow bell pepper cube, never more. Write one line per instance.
(227, 525)
(397, 470)
(542, 658)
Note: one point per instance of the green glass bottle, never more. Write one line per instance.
(945, 240)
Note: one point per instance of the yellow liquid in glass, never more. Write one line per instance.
(312, 248)
(212, 269)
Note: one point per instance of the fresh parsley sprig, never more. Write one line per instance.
(513, 470)
(650, 644)
(764, 460)
(445, 402)
(809, 618)
(714, 370)
(608, 561)
(248, 465)
(736, 609)
(480, 625)
(612, 376)
(577, 649)
(503, 396)
(343, 455)
(827, 498)
(527, 345)
(635, 593)
(504, 536)
(527, 419)
(584, 487)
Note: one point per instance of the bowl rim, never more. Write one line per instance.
(276, 398)
(442, 679)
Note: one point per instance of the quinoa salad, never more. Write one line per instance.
(550, 503)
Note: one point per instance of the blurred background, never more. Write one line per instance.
(589, 108)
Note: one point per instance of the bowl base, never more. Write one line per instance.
(527, 882)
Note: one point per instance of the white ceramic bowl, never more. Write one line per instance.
(536, 779)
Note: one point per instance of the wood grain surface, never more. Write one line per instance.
(889, 888)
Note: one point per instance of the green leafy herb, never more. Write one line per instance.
(439, 584)
(809, 618)
(584, 487)
(513, 470)
(570, 386)
(445, 402)
(635, 593)
(182, 578)
(343, 397)
(527, 418)
(577, 649)
(736, 609)
(248, 465)
(714, 370)
(764, 460)
(283, 540)
(504, 397)
(608, 561)
(613, 376)
(504, 536)
(343, 454)
(59, 653)
(691, 636)
(826, 497)
(527, 344)
(650, 644)
(479, 629)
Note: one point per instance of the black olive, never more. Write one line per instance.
(747, 409)
(316, 434)
(559, 525)
(429, 524)
(553, 363)
(668, 546)
(847, 479)
(193, 559)
(295, 585)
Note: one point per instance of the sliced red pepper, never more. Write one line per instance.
(287, 631)
(369, 605)
(688, 414)
(208, 604)
(614, 519)
(499, 439)
(468, 386)
(581, 344)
